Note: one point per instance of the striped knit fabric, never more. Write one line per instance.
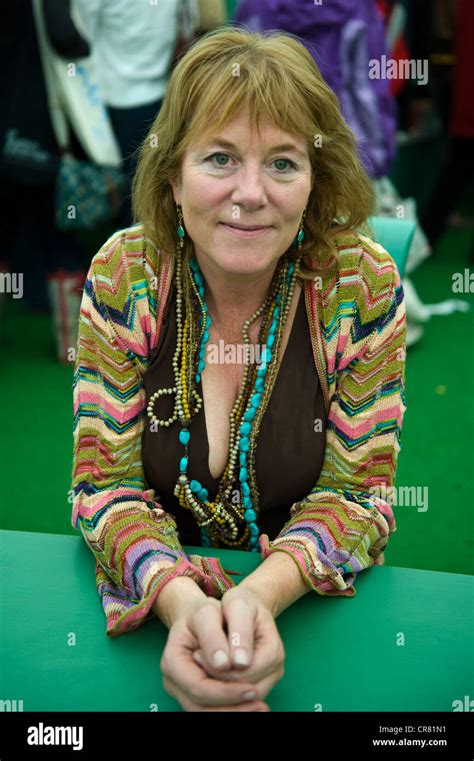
(357, 327)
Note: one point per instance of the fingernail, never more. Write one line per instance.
(249, 695)
(219, 659)
(241, 658)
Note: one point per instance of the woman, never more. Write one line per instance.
(249, 195)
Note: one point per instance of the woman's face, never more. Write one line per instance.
(242, 179)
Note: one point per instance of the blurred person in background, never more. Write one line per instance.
(134, 45)
(29, 154)
(342, 36)
(457, 169)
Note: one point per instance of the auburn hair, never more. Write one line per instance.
(273, 76)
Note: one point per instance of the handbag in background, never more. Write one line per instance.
(87, 192)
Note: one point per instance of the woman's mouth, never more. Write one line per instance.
(244, 231)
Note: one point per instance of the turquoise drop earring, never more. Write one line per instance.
(180, 226)
(299, 237)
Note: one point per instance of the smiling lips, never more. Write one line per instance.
(240, 231)
(244, 227)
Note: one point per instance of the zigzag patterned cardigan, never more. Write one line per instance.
(357, 326)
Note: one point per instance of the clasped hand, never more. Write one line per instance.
(223, 655)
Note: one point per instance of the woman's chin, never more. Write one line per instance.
(244, 260)
(244, 263)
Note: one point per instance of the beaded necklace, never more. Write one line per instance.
(231, 518)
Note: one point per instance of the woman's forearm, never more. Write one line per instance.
(177, 598)
(277, 582)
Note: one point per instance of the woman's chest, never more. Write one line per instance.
(223, 381)
(221, 385)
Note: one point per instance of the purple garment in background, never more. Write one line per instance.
(342, 36)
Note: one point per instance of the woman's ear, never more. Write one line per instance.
(176, 189)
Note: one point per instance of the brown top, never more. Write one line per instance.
(289, 452)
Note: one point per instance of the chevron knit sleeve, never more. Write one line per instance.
(134, 541)
(343, 525)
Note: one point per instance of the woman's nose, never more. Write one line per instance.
(249, 185)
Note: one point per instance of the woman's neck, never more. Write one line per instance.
(232, 299)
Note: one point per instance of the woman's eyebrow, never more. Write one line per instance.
(222, 143)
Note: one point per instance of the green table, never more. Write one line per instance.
(342, 654)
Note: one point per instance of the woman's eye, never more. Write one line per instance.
(222, 160)
(285, 161)
(216, 156)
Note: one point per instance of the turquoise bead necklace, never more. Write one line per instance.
(233, 524)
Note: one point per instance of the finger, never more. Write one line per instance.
(220, 673)
(182, 673)
(232, 675)
(268, 655)
(244, 707)
(197, 656)
(190, 705)
(240, 617)
(263, 685)
(207, 624)
(268, 651)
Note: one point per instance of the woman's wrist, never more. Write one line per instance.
(277, 583)
(176, 599)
